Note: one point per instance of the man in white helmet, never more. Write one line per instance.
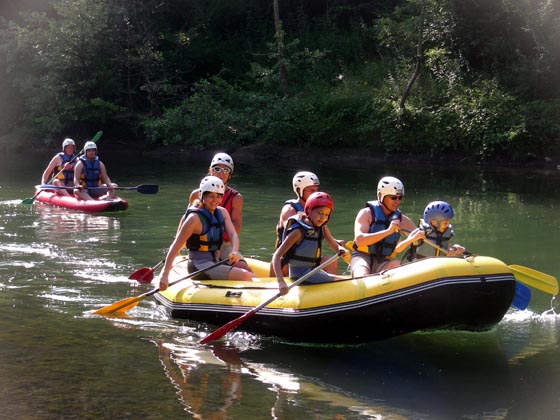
(90, 176)
(304, 183)
(61, 167)
(377, 230)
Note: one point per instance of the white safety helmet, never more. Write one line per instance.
(389, 185)
(222, 159)
(303, 179)
(90, 145)
(211, 184)
(68, 142)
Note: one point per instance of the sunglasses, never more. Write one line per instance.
(218, 169)
(396, 197)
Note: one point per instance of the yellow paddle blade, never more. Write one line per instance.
(535, 278)
(121, 306)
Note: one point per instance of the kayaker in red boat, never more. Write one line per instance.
(202, 231)
(222, 167)
(304, 184)
(90, 176)
(302, 242)
(377, 237)
(61, 166)
(437, 228)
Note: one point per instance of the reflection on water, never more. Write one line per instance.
(54, 222)
(211, 382)
(447, 374)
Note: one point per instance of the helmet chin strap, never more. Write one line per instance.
(383, 204)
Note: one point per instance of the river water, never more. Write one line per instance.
(57, 361)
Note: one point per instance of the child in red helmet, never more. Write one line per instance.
(302, 240)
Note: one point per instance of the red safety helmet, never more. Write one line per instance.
(318, 199)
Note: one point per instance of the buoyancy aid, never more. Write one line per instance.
(66, 175)
(91, 172)
(383, 249)
(306, 253)
(441, 239)
(227, 203)
(213, 227)
(298, 207)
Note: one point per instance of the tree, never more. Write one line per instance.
(279, 37)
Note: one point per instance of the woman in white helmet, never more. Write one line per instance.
(91, 180)
(205, 224)
(377, 230)
(61, 167)
(221, 166)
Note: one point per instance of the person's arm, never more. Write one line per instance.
(335, 245)
(455, 250)
(236, 212)
(192, 225)
(195, 195)
(230, 229)
(78, 173)
(291, 239)
(104, 177)
(407, 223)
(55, 161)
(361, 227)
(416, 235)
(287, 212)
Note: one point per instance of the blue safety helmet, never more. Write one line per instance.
(438, 210)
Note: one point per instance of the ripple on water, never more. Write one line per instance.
(527, 334)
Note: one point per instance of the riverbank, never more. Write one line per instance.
(355, 158)
(282, 155)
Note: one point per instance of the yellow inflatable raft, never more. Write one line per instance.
(471, 293)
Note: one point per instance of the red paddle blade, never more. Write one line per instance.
(143, 275)
(223, 330)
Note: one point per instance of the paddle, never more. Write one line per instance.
(529, 276)
(536, 279)
(145, 274)
(223, 330)
(142, 189)
(128, 303)
(522, 296)
(30, 200)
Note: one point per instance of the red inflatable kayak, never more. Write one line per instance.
(51, 197)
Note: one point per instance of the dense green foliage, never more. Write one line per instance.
(205, 74)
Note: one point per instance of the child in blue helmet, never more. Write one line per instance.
(438, 231)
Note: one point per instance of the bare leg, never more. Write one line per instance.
(59, 183)
(332, 268)
(240, 274)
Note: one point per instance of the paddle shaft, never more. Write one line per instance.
(223, 330)
(128, 303)
(349, 244)
(144, 189)
(188, 276)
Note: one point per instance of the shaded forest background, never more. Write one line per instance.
(479, 79)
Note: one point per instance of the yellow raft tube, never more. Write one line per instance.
(471, 293)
